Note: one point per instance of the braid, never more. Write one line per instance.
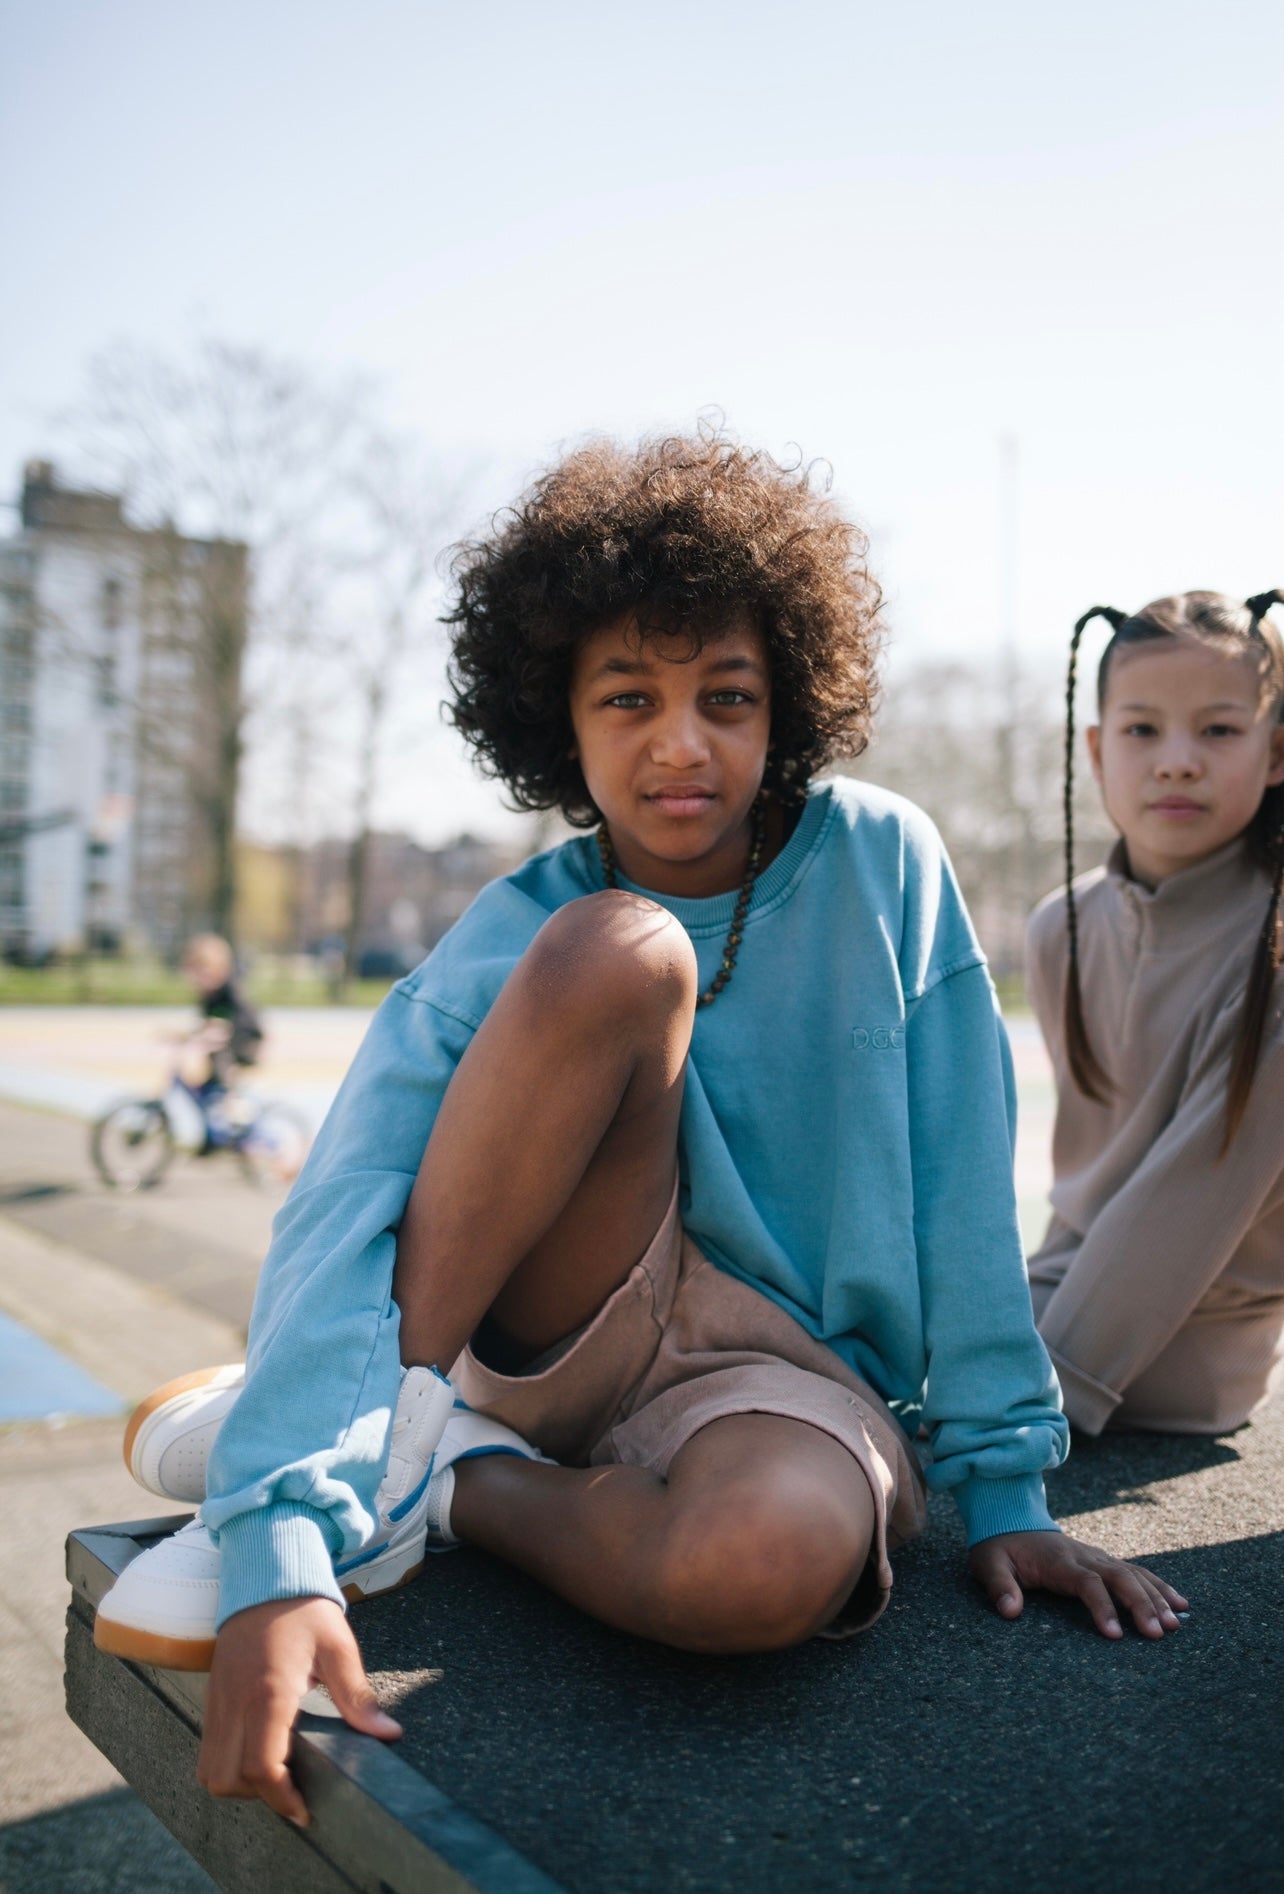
(1085, 1067)
(1257, 1002)
(1255, 1014)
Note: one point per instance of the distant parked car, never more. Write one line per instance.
(387, 963)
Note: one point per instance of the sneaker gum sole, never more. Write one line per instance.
(183, 1384)
(355, 1593)
(197, 1654)
(148, 1647)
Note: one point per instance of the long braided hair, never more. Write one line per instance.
(1211, 617)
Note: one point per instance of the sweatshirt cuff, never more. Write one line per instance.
(1014, 1503)
(280, 1551)
(1088, 1404)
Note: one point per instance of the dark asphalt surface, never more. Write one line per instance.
(945, 1749)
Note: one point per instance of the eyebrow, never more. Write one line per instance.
(643, 667)
(1202, 710)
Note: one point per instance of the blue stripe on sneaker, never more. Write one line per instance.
(360, 1558)
(403, 1506)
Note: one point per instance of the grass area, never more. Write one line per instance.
(271, 982)
(1011, 991)
(112, 982)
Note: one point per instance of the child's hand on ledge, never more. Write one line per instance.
(1051, 1561)
(264, 1661)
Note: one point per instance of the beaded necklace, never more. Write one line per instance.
(743, 899)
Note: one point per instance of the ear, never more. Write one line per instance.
(1092, 736)
(1275, 774)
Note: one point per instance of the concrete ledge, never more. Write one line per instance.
(947, 1749)
(378, 1824)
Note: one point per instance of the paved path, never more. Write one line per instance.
(201, 1234)
(78, 1058)
(66, 1820)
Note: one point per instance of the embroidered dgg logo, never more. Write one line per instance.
(879, 1038)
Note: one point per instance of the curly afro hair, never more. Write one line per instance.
(686, 534)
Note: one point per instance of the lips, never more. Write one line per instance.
(680, 799)
(1176, 805)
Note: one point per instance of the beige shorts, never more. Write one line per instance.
(679, 1344)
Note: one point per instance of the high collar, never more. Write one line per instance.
(1216, 896)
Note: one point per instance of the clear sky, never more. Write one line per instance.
(886, 233)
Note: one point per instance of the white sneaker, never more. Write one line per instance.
(163, 1608)
(395, 1554)
(169, 1435)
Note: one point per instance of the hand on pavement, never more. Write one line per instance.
(265, 1659)
(1051, 1561)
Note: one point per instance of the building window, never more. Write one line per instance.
(112, 594)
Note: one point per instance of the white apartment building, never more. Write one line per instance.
(108, 749)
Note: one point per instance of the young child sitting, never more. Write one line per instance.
(1159, 1287)
(687, 1154)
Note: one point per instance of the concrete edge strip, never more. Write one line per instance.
(373, 1813)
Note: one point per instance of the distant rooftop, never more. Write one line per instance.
(47, 504)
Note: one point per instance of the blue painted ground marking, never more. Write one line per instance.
(36, 1382)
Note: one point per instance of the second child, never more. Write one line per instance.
(1159, 1287)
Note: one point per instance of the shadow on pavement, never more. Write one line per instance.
(1116, 1469)
(108, 1844)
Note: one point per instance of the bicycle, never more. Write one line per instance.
(135, 1140)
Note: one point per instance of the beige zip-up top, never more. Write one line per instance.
(1159, 1287)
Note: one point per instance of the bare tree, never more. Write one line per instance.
(981, 749)
(240, 449)
(404, 512)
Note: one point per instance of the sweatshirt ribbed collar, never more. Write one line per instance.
(712, 914)
(1217, 896)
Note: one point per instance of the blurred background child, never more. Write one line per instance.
(229, 1036)
(1159, 1287)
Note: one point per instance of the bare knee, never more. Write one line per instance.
(616, 951)
(760, 1572)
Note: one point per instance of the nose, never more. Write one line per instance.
(678, 740)
(1179, 759)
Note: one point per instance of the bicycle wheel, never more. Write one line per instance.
(273, 1146)
(132, 1144)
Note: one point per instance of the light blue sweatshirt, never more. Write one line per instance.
(846, 1147)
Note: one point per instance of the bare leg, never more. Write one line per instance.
(552, 1159)
(547, 1174)
(754, 1541)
